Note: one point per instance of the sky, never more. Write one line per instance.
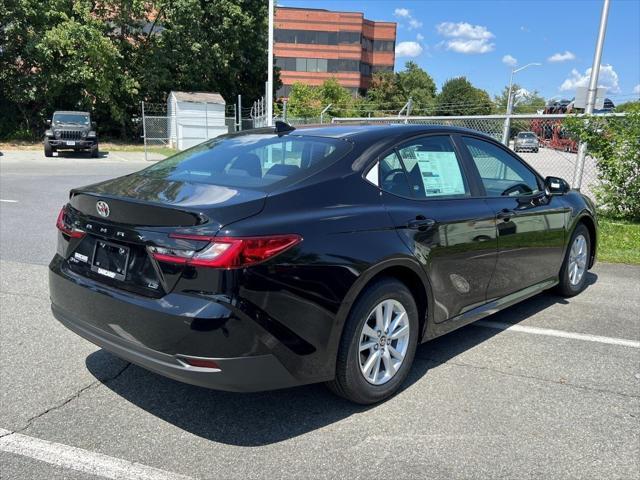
(483, 40)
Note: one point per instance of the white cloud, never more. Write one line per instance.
(464, 30)
(466, 38)
(419, 37)
(608, 78)
(562, 57)
(636, 89)
(509, 60)
(408, 49)
(524, 29)
(405, 14)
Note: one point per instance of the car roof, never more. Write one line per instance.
(71, 111)
(367, 132)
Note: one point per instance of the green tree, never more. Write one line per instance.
(209, 46)
(413, 82)
(341, 99)
(107, 56)
(304, 101)
(384, 93)
(628, 106)
(56, 54)
(390, 91)
(528, 102)
(460, 97)
(615, 144)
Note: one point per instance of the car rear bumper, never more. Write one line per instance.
(159, 341)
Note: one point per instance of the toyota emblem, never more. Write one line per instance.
(102, 208)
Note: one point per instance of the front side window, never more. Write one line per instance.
(502, 174)
(253, 161)
(433, 168)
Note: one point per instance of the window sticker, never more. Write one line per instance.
(440, 173)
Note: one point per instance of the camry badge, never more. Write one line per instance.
(102, 208)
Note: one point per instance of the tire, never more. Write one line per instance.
(94, 151)
(568, 286)
(48, 149)
(350, 381)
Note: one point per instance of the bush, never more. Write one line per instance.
(614, 142)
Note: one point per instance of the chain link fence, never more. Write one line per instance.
(550, 150)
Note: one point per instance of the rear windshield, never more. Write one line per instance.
(251, 160)
(526, 135)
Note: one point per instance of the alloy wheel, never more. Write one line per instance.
(384, 341)
(577, 260)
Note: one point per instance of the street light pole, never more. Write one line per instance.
(507, 120)
(269, 92)
(592, 92)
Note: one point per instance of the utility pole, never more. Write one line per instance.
(269, 92)
(507, 120)
(593, 91)
(239, 109)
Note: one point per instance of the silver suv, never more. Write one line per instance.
(526, 141)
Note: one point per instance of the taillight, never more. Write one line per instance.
(226, 252)
(67, 229)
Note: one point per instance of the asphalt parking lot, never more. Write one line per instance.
(557, 395)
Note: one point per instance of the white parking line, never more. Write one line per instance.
(558, 333)
(8, 201)
(81, 460)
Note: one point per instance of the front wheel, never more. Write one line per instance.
(48, 149)
(378, 343)
(573, 273)
(94, 151)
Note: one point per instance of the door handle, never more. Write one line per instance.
(421, 223)
(505, 214)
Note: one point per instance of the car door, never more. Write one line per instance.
(530, 224)
(425, 189)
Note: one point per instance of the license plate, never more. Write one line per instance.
(110, 260)
(71, 144)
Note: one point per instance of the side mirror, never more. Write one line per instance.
(94, 125)
(556, 186)
(49, 122)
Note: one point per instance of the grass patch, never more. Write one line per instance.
(619, 241)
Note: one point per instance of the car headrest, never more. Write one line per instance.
(249, 163)
(283, 170)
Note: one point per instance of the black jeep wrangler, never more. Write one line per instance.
(70, 131)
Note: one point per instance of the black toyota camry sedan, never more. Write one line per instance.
(281, 256)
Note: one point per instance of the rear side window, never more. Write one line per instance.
(253, 161)
(502, 174)
(433, 168)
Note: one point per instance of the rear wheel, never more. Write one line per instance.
(378, 343)
(573, 274)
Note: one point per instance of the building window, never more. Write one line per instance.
(367, 44)
(349, 37)
(381, 68)
(383, 45)
(310, 37)
(320, 65)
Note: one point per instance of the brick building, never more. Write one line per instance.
(312, 45)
